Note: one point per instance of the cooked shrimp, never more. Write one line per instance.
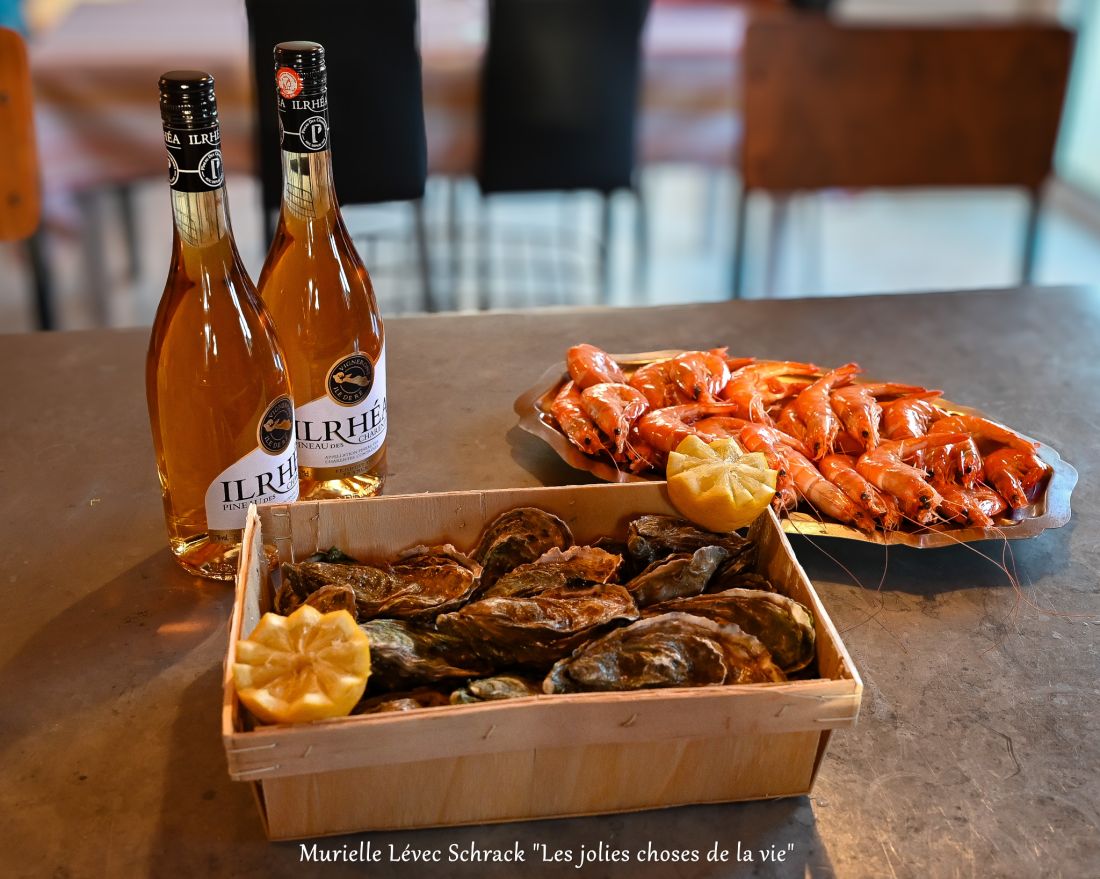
(795, 467)
(700, 375)
(664, 429)
(909, 416)
(614, 407)
(955, 462)
(655, 382)
(857, 407)
(749, 387)
(815, 410)
(589, 365)
(983, 429)
(885, 467)
(973, 506)
(841, 471)
(568, 410)
(1014, 473)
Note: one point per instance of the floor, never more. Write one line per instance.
(544, 250)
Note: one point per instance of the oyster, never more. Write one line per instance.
(782, 624)
(424, 697)
(492, 689)
(404, 654)
(677, 576)
(536, 631)
(419, 586)
(576, 566)
(724, 579)
(517, 537)
(334, 597)
(333, 555)
(653, 537)
(670, 650)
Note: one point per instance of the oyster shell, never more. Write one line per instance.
(427, 583)
(536, 631)
(333, 597)
(492, 689)
(782, 624)
(424, 697)
(677, 576)
(653, 537)
(576, 566)
(724, 579)
(333, 555)
(517, 537)
(670, 650)
(404, 654)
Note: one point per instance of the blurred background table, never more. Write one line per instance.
(978, 739)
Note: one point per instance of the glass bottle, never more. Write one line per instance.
(219, 395)
(321, 298)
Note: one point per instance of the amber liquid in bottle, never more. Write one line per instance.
(218, 391)
(321, 299)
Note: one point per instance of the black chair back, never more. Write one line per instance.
(377, 118)
(559, 98)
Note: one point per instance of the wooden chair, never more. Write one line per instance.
(20, 206)
(828, 105)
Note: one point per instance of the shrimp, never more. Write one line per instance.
(568, 410)
(973, 506)
(655, 382)
(614, 407)
(716, 427)
(589, 365)
(750, 389)
(795, 467)
(885, 467)
(700, 375)
(909, 416)
(815, 410)
(956, 462)
(858, 409)
(983, 429)
(841, 471)
(1014, 473)
(664, 429)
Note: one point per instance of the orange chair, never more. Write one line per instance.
(828, 105)
(20, 206)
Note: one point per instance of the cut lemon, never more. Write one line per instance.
(717, 486)
(307, 666)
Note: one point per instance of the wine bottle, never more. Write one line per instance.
(219, 396)
(321, 298)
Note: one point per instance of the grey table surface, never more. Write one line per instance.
(978, 747)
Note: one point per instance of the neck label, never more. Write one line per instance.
(194, 159)
(303, 121)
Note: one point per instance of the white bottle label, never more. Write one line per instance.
(348, 424)
(268, 474)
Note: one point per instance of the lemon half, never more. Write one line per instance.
(307, 666)
(717, 486)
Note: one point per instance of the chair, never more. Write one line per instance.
(829, 105)
(20, 205)
(559, 103)
(377, 118)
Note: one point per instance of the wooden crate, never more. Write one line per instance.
(537, 757)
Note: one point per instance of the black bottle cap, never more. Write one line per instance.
(187, 99)
(306, 58)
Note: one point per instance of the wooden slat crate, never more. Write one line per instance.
(542, 756)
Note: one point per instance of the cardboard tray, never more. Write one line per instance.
(537, 757)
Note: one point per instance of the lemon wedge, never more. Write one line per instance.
(717, 486)
(306, 666)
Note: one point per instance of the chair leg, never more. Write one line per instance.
(128, 215)
(780, 212)
(423, 257)
(641, 242)
(741, 215)
(484, 242)
(1031, 236)
(42, 281)
(97, 274)
(605, 249)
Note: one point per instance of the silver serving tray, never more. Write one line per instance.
(1050, 510)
